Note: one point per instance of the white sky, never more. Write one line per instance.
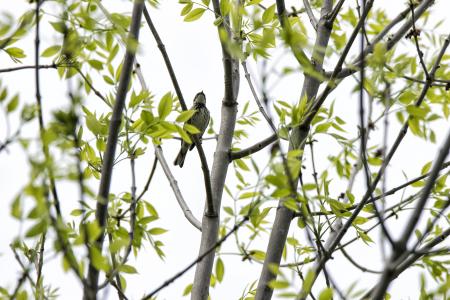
(196, 56)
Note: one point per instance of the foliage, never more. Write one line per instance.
(405, 86)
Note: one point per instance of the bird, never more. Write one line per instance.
(200, 119)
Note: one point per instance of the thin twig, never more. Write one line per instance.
(200, 257)
(334, 13)
(310, 13)
(408, 262)
(145, 189)
(391, 153)
(211, 211)
(52, 66)
(364, 135)
(254, 148)
(416, 41)
(393, 39)
(45, 149)
(40, 265)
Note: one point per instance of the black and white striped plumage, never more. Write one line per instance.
(200, 120)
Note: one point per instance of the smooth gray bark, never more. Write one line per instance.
(284, 215)
(210, 224)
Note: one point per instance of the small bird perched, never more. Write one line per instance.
(200, 120)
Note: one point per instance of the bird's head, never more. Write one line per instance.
(200, 98)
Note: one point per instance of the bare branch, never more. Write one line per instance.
(416, 41)
(6, 70)
(298, 137)
(384, 195)
(335, 12)
(176, 190)
(392, 40)
(209, 197)
(399, 250)
(310, 14)
(380, 173)
(45, 149)
(210, 224)
(409, 261)
(113, 132)
(254, 148)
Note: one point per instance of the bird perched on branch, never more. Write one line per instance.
(200, 120)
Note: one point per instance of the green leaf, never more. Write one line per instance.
(268, 14)
(225, 7)
(165, 106)
(220, 269)
(128, 269)
(147, 116)
(185, 116)
(366, 238)
(194, 15)
(76, 212)
(13, 103)
(16, 208)
(186, 9)
(118, 244)
(322, 128)
(191, 128)
(93, 124)
(93, 230)
(157, 231)
(37, 229)
(326, 294)
(187, 290)
(247, 195)
(184, 135)
(96, 64)
(50, 51)
(308, 282)
(278, 284)
(407, 97)
(418, 112)
(379, 54)
(3, 95)
(98, 261)
(15, 52)
(241, 164)
(58, 26)
(426, 167)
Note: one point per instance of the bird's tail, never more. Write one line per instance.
(179, 160)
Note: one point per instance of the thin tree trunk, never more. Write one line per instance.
(210, 224)
(284, 215)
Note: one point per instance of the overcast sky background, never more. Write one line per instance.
(196, 56)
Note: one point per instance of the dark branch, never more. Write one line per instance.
(206, 176)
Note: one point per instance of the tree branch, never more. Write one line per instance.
(298, 137)
(52, 66)
(209, 197)
(210, 224)
(197, 260)
(399, 250)
(416, 41)
(310, 13)
(108, 160)
(392, 40)
(380, 173)
(254, 148)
